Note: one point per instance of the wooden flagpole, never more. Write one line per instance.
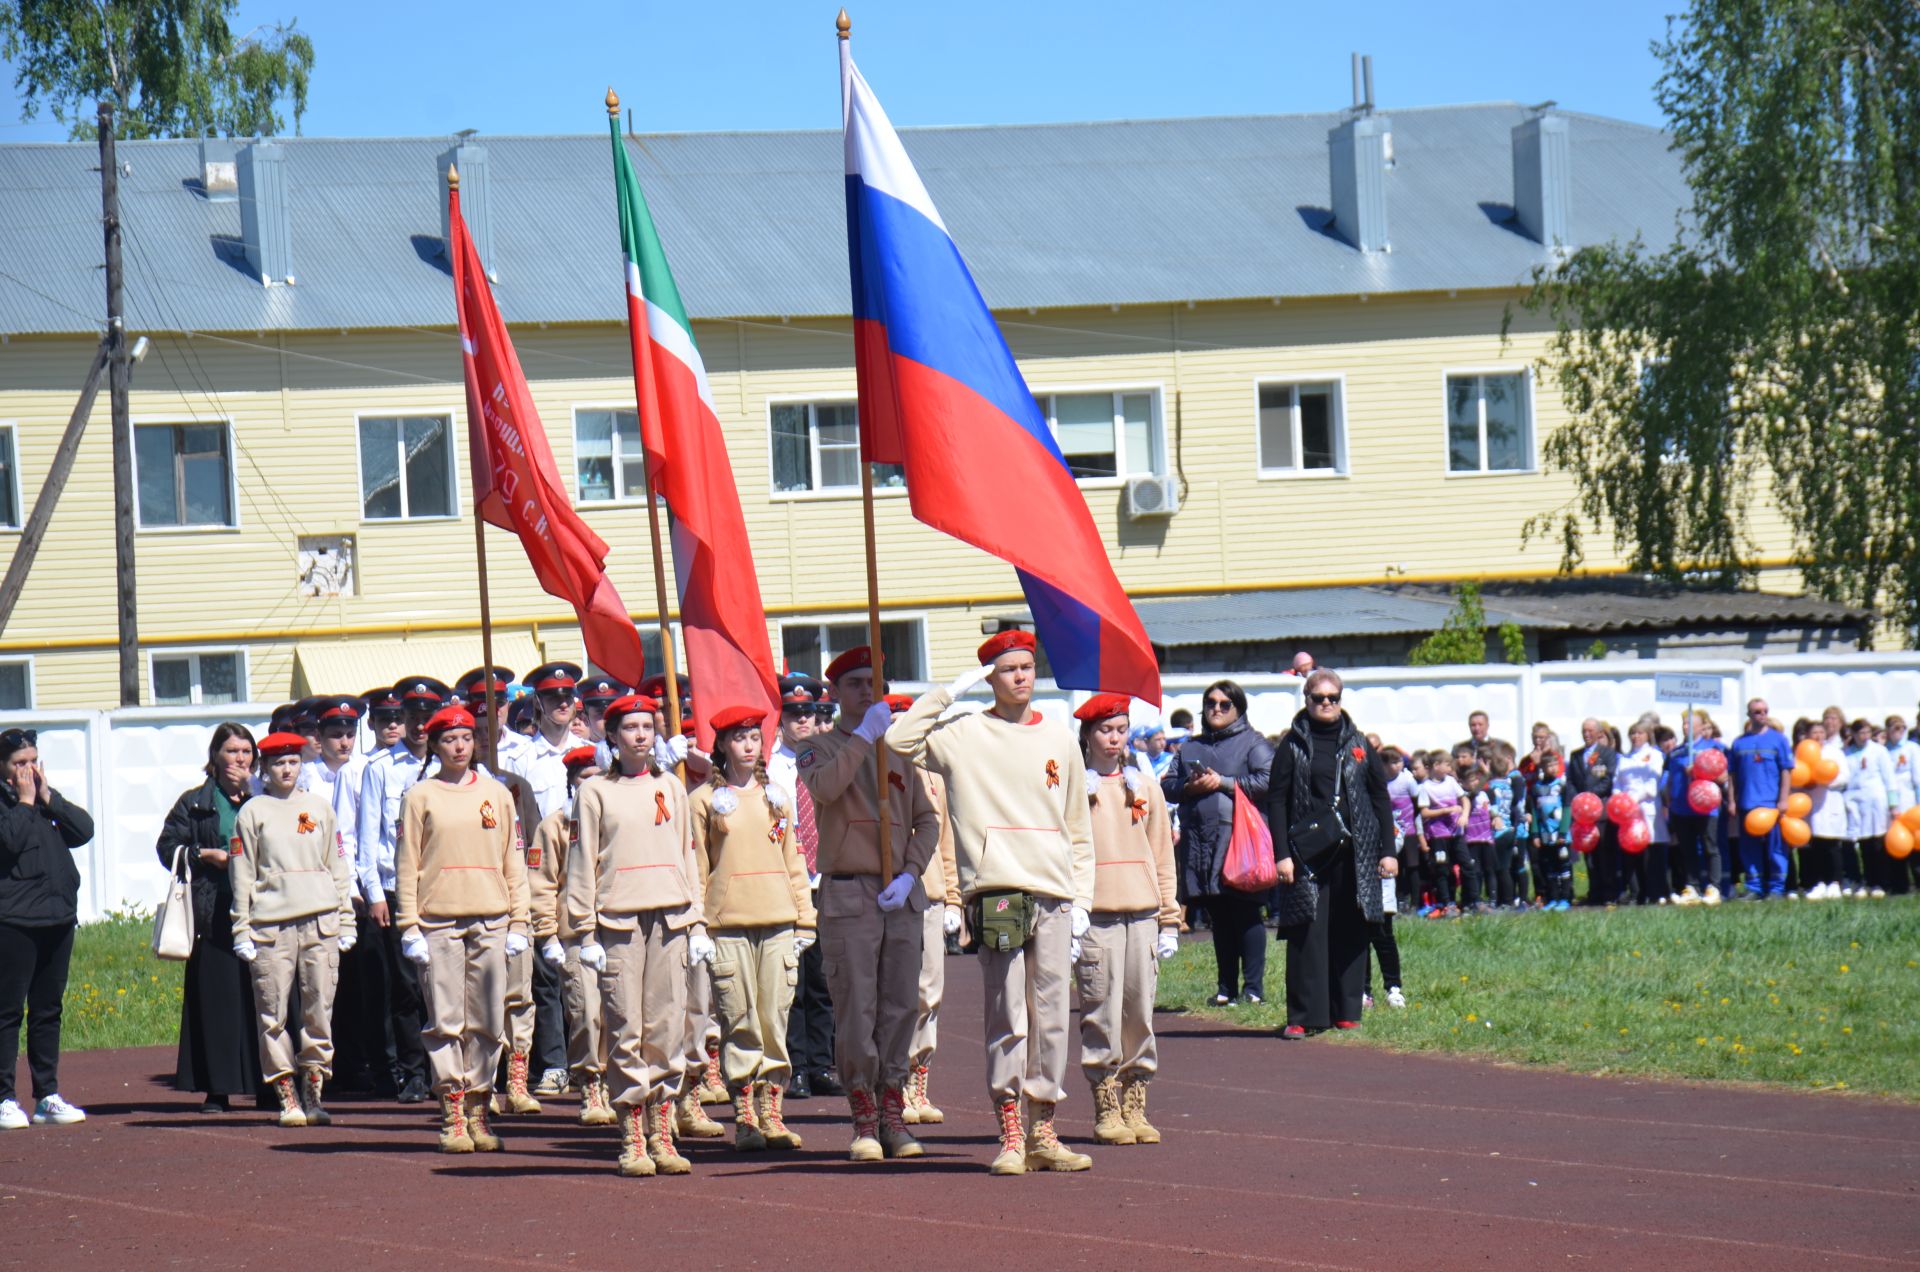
(844, 26)
(488, 751)
(659, 554)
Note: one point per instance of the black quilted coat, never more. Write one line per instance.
(1364, 806)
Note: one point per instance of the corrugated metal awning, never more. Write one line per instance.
(355, 664)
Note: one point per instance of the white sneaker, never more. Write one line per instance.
(1687, 896)
(1395, 998)
(54, 1111)
(552, 1082)
(1711, 896)
(1877, 893)
(12, 1116)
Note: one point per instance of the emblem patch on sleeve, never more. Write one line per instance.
(487, 820)
(236, 848)
(534, 853)
(807, 757)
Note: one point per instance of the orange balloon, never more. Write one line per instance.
(1808, 752)
(1802, 775)
(1900, 841)
(1799, 804)
(1761, 820)
(1795, 831)
(1911, 819)
(1825, 771)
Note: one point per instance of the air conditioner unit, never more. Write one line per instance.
(1152, 497)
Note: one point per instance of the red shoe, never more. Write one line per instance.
(1346, 1024)
(1293, 1033)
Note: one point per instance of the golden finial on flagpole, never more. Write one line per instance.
(613, 102)
(843, 24)
(453, 177)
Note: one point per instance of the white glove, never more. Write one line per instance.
(700, 948)
(1167, 945)
(895, 894)
(345, 941)
(969, 679)
(873, 724)
(1081, 922)
(516, 945)
(243, 949)
(952, 921)
(673, 751)
(553, 951)
(413, 947)
(802, 942)
(594, 955)
(1074, 950)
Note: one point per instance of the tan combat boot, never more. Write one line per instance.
(635, 1161)
(1109, 1123)
(690, 1120)
(596, 1102)
(1133, 1107)
(746, 1122)
(713, 1087)
(894, 1136)
(1044, 1149)
(771, 1097)
(484, 1140)
(866, 1127)
(291, 1114)
(312, 1084)
(660, 1142)
(519, 1101)
(1012, 1159)
(453, 1123)
(920, 1111)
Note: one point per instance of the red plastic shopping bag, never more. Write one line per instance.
(1250, 866)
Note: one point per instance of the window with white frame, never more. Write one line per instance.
(16, 684)
(1301, 429)
(198, 678)
(816, 447)
(608, 458)
(184, 474)
(9, 482)
(652, 651)
(406, 466)
(1489, 423)
(1105, 434)
(810, 647)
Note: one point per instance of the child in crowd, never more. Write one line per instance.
(1552, 853)
(1442, 811)
(1505, 789)
(1476, 850)
(1403, 792)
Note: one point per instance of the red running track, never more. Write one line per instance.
(1303, 1155)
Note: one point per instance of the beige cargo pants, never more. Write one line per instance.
(307, 949)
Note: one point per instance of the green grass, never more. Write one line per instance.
(1814, 995)
(118, 993)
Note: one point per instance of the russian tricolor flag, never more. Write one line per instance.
(940, 395)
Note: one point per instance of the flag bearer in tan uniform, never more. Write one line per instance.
(871, 923)
(760, 911)
(292, 916)
(1023, 848)
(633, 900)
(548, 854)
(1136, 922)
(461, 882)
(942, 919)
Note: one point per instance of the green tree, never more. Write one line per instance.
(172, 68)
(1771, 354)
(1462, 637)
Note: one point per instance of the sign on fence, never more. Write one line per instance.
(1692, 691)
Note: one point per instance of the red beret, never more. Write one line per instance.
(276, 744)
(898, 701)
(1103, 706)
(853, 660)
(449, 718)
(1005, 641)
(579, 757)
(627, 705)
(736, 717)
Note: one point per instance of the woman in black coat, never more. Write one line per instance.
(219, 1049)
(1332, 825)
(1201, 780)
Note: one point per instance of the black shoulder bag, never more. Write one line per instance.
(1317, 836)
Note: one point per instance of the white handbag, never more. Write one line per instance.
(173, 921)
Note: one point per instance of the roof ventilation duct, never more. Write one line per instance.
(1543, 178)
(476, 203)
(1359, 153)
(218, 180)
(265, 218)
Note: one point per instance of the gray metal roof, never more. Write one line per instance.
(1626, 603)
(1048, 215)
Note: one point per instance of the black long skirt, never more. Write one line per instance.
(219, 1031)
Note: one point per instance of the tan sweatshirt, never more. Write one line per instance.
(635, 855)
(1016, 794)
(547, 853)
(458, 855)
(941, 879)
(838, 769)
(287, 862)
(1133, 850)
(754, 873)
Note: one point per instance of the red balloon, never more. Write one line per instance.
(1622, 808)
(1586, 808)
(1635, 835)
(1703, 797)
(1710, 764)
(1586, 835)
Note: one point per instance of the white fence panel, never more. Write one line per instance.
(1870, 685)
(1618, 692)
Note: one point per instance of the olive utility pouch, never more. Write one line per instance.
(1002, 921)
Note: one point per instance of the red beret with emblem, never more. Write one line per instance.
(898, 702)
(737, 717)
(278, 744)
(1103, 706)
(860, 656)
(580, 757)
(449, 718)
(626, 705)
(1006, 642)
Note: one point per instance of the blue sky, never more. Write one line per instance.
(412, 67)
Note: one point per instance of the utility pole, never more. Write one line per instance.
(117, 377)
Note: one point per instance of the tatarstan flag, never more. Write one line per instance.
(723, 624)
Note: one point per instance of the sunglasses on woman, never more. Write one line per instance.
(1324, 699)
(1219, 704)
(14, 739)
